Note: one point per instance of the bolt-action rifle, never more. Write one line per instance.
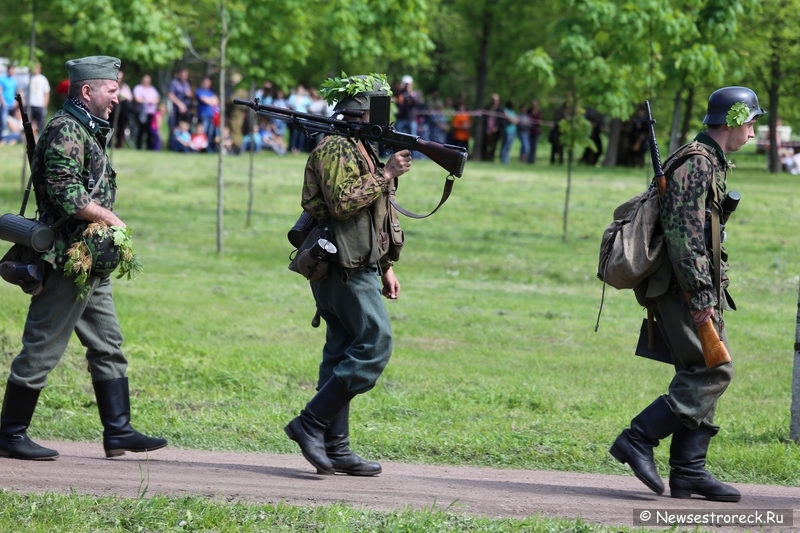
(449, 157)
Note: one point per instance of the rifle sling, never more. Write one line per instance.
(448, 185)
(716, 247)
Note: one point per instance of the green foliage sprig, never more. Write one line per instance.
(79, 255)
(335, 89)
(737, 115)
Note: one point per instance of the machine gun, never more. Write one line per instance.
(449, 157)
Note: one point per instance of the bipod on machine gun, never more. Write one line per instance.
(378, 129)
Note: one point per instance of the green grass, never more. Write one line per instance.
(496, 361)
(48, 513)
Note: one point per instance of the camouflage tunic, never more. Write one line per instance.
(338, 183)
(685, 214)
(69, 160)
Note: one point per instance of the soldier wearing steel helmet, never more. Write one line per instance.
(75, 184)
(687, 299)
(347, 188)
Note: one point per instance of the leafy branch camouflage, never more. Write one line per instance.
(336, 89)
(737, 115)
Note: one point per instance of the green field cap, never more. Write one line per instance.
(93, 68)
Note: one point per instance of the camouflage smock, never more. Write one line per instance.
(685, 213)
(69, 160)
(338, 184)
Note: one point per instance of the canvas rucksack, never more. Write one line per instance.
(632, 247)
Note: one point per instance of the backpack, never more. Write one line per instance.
(632, 247)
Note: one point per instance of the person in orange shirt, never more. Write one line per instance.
(462, 124)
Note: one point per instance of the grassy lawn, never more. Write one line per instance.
(496, 361)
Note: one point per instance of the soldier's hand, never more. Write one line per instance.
(703, 316)
(391, 286)
(398, 164)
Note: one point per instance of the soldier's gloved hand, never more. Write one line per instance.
(398, 164)
(703, 316)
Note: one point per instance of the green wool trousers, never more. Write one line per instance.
(53, 315)
(358, 340)
(695, 389)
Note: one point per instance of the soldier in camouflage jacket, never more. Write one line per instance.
(688, 300)
(347, 189)
(74, 182)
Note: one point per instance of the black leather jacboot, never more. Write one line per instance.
(18, 407)
(308, 429)
(635, 445)
(114, 404)
(688, 474)
(337, 446)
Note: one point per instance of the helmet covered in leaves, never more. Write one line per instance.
(353, 92)
(722, 101)
(105, 253)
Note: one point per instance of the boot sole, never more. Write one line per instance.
(351, 473)
(617, 454)
(9, 456)
(687, 494)
(321, 471)
(116, 452)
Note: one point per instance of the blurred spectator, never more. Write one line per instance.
(199, 138)
(181, 96)
(491, 128)
(462, 125)
(252, 141)
(227, 141)
(509, 125)
(557, 150)
(437, 123)
(270, 139)
(265, 93)
(535, 115)
(406, 102)
(181, 138)
(792, 162)
(155, 127)
(123, 111)
(8, 90)
(238, 113)
(280, 101)
(38, 99)
(207, 104)
(592, 155)
(146, 97)
(638, 137)
(13, 129)
(524, 134)
(298, 101)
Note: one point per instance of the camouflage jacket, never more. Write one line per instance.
(685, 215)
(339, 185)
(70, 159)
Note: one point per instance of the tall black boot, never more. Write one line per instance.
(18, 407)
(308, 429)
(635, 445)
(114, 404)
(688, 474)
(337, 446)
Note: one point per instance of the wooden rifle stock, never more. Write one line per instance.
(714, 351)
(450, 158)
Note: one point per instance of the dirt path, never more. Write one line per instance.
(263, 478)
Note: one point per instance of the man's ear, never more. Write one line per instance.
(85, 90)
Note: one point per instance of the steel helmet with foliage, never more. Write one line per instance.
(733, 106)
(353, 92)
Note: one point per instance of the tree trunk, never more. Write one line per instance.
(220, 179)
(687, 116)
(794, 431)
(569, 186)
(674, 137)
(483, 69)
(613, 143)
(252, 158)
(773, 89)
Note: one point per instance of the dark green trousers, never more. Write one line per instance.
(695, 389)
(358, 340)
(53, 315)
